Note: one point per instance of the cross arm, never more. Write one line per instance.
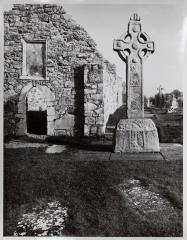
(146, 49)
(150, 46)
(122, 48)
(119, 45)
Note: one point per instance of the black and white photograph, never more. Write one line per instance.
(92, 115)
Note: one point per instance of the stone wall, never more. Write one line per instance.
(36, 100)
(112, 85)
(75, 71)
(93, 98)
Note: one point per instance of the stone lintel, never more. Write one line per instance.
(26, 77)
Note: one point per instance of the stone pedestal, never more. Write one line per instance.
(136, 135)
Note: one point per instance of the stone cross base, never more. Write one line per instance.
(136, 135)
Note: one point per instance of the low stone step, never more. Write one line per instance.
(109, 129)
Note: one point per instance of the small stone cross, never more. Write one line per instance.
(133, 47)
(160, 89)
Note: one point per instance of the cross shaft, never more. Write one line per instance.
(133, 47)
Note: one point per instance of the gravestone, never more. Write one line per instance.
(174, 105)
(159, 98)
(135, 134)
(160, 89)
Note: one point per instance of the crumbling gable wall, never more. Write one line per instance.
(112, 85)
(73, 83)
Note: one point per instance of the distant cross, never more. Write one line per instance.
(133, 47)
(160, 89)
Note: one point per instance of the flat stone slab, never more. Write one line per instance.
(136, 135)
(20, 144)
(136, 156)
(56, 149)
(48, 220)
(146, 204)
(172, 151)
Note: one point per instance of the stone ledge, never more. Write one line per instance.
(26, 77)
(136, 156)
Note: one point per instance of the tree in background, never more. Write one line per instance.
(180, 102)
(145, 101)
(177, 93)
(152, 101)
(159, 100)
(168, 100)
(179, 96)
(162, 100)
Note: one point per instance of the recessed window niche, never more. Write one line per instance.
(34, 60)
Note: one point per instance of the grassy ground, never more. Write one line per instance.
(32, 177)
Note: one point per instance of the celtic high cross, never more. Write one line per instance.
(133, 47)
(160, 89)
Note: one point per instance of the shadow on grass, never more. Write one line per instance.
(86, 188)
(86, 143)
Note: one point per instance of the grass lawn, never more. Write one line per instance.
(32, 177)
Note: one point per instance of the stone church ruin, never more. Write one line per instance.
(55, 80)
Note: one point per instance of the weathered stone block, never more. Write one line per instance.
(97, 97)
(19, 115)
(90, 91)
(86, 130)
(50, 128)
(90, 106)
(100, 120)
(44, 17)
(100, 88)
(21, 127)
(93, 130)
(89, 113)
(90, 120)
(99, 112)
(50, 118)
(136, 135)
(100, 130)
(65, 122)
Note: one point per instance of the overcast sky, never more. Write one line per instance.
(166, 24)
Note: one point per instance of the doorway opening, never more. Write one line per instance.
(37, 122)
(36, 112)
(79, 101)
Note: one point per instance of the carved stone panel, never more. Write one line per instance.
(135, 99)
(134, 91)
(136, 135)
(135, 75)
